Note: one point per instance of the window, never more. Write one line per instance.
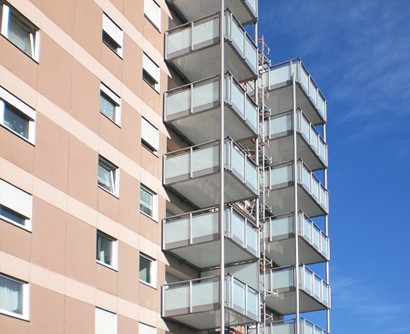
(107, 176)
(105, 322)
(110, 104)
(148, 202)
(14, 296)
(18, 30)
(17, 116)
(15, 205)
(107, 250)
(112, 35)
(150, 72)
(148, 270)
(149, 136)
(152, 11)
(146, 329)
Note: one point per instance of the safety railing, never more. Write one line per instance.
(289, 327)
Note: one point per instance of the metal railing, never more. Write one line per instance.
(289, 327)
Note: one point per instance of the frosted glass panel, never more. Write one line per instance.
(315, 189)
(326, 293)
(176, 297)
(176, 230)
(178, 102)
(282, 279)
(323, 197)
(205, 224)
(308, 280)
(239, 295)
(250, 53)
(304, 80)
(325, 245)
(205, 32)
(280, 124)
(306, 178)
(238, 163)
(238, 99)
(307, 229)
(317, 288)
(314, 140)
(177, 165)
(308, 328)
(305, 129)
(281, 226)
(251, 175)
(205, 293)
(252, 238)
(179, 40)
(237, 36)
(205, 93)
(280, 175)
(253, 303)
(321, 106)
(312, 92)
(279, 75)
(205, 158)
(251, 114)
(238, 226)
(316, 236)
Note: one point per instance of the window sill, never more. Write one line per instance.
(148, 284)
(109, 192)
(106, 265)
(23, 227)
(14, 315)
(117, 53)
(18, 135)
(150, 217)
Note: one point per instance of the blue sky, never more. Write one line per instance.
(358, 52)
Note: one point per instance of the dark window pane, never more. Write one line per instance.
(107, 106)
(16, 120)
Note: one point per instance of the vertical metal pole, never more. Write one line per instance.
(327, 233)
(222, 168)
(296, 208)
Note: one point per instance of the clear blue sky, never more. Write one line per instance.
(358, 52)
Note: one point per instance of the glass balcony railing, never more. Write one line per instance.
(283, 226)
(281, 125)
(289, 327)
(203, 95)
(309, 282)
(313, 186)
(204, 159)
(202, 226)
(281, 74)
(202, 295)
(204, 33)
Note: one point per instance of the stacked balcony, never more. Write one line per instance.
(193, 111)
(289, 327)
(280, 283)
(313, 243)
(196, 302)
(194, 237)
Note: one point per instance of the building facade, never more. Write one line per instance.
(157, 173)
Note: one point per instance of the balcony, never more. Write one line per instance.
(313, 198)
(194, 237)
(193, 173)
(311, 148)
(289, 327)
(193, 49)
(194, 110)
(280, 236)
(245, 10)
(196, 303)
(314, 292)
(278, 81)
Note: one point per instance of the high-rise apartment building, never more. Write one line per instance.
(157, 173)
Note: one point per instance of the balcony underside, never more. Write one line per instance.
(204, 126)
(282, 251)
(205, 62)
(281, 150)
(285, 302)
(209, 317)
(280, 99)
(207, 254)
(282, 201)
(195, 9)
(204, 191)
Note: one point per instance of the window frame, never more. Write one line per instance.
(25, 298)
(154, 209)
(114, 176)
(151, 72)
(149, 136)
(108, 94)
(17, 201)
(33, 31)
(154, 18)
(112, 33)
(113, 250)
(102, 315)
(149, 329)
(153, 269)
(10, 101)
